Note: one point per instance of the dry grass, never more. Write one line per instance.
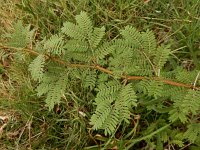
(8, 15)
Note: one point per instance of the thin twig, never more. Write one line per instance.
(196, 79)
(102, 69)
(166, 20)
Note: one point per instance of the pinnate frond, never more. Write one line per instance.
(133, 36)
(103, 50)
(89, 80)
(73, 31)
(161, 56)
(149, 42)
(192, 132)
(185, 76)
(119, 100)
(96, 36)
(150, 88)
(56, 91)
(176, 114)
(77, 46)
(22, 36)
(54, 45)
(37, 67)
(191, 102)
(84, 23)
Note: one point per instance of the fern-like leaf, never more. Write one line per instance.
(56, 91)
(47, 82)
(128, 94)
(176, 114)
(108, 88)
(192, 132)
(96, 36)
(132, 36)
(185, 76)
(150, 88)
(102, 112)
(76, 46)
(161, 56)
(114, 102)
(37, 68)
(90, 80)
(106, 96)
(149, 42)
(120, 109)
(54, 45)
(73, 31)
(103, 50)
(191, 102)
(84, 23)
(112, 121)
(126, 101)
(22, 36)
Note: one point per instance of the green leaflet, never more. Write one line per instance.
(188, 103)
(185, 76)
(84, 23)
(56, 91)
(37, 67)
(54, 45)
(77, 46)
(22, 36)
(72, 31)
(150, 88)
(89, 80)
(96, 36)
(114, 102)
(48, 81)
(191, 102)
(149, 43)
(176, 114)
(103, 50)
(192, 132)
(133, 36)
(161, 56)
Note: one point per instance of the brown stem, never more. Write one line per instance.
(98, 67)
(178, 84)
(18, 49)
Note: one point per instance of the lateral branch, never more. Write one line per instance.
(100, 68)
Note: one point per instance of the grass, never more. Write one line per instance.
(30, 124)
